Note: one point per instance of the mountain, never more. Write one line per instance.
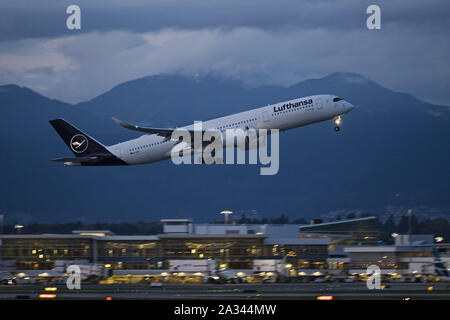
(392, 150)
(172, 100)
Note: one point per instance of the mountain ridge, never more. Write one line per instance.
(391, 151)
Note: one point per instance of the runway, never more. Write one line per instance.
(234, 292)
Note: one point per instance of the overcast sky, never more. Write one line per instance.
(256, 41)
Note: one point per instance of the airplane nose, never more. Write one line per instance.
(349, 106)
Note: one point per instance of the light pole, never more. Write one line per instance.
(409, 220)
(226, 213)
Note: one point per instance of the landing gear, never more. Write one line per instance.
(337, 122)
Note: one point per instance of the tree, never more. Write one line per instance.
(280, 220)
(439, 227)
(351, 215)
(300, 221)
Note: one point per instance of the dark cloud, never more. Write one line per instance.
(47, 17)
(258, 42)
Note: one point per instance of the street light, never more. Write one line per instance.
(226, 213)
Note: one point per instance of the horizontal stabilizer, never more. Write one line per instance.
(76, 160)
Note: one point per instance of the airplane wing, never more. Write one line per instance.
(163, 132)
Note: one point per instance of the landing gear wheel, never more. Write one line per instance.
(337, 122)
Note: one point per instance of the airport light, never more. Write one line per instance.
(18, 227)
(394, 235)
(51, 289)
(226, 213)
(324, 298)
(439, 239)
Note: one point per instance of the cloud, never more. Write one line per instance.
(259, 43)
(47, 19)
(82, 66)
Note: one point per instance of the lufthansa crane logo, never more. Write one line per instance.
(78, 143)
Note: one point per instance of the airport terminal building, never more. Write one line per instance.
(188, 249)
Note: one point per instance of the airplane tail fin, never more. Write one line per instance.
(79, 143)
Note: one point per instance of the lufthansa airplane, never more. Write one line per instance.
(156, 143)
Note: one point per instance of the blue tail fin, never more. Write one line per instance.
(88, 151)
(80, 143)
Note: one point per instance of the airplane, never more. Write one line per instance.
(225, 275)
(156, 143)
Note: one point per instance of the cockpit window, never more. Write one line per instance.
(337, 99)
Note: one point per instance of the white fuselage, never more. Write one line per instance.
(283, 116)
